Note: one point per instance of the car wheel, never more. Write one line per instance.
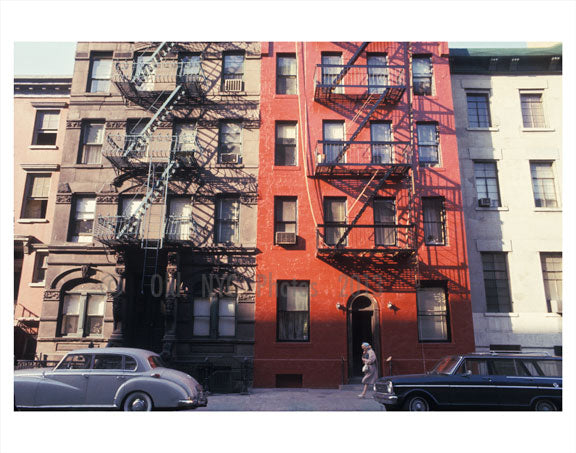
(137, 401)
(544, 405)
(416, 403)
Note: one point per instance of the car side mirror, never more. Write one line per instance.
(467, 373)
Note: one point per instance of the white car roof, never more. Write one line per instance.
(141, 353)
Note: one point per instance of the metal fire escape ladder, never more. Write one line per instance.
(348, 65)
(160, 115)
(366, 203)
(360, 127)
(151, 64)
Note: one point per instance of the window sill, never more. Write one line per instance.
(287, 168)
(103, 93)
(435, 167)
(484, 129)
(86, 166)
(43, 147)
(500, 208)
(548, 209)
(32, 220)
(286, 96)
(553, 315)
(537, 129)
(500, 315)
(37, 285)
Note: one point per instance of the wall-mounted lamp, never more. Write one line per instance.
(339, 306)
(393, 307)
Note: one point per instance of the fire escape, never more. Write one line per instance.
(159, 85)
(368, 166)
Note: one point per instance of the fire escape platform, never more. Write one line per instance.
(325, 93)
(360, 170)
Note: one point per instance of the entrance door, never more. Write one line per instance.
(360, 330)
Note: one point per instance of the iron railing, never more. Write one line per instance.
(155, 147)
(165, 72)
(220, 374)
(363, 152)
(26, 364)
(382, 237)
(107, 228)
(180, 228)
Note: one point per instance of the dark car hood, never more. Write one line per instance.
(414, 378)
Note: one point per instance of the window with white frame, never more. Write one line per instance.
(82, 219)
(486, 176)
(428, 142)
(46, 127)
(100, 72)
(552, 275)
(293, 310)
(92, 140)
(434, 220)
(285, 214)
(377, 72)
(333, 138)
(381, 138)
(496, 285)
(285, 152)
(432, 314)
(543, 184)
(82, 314)
(227, 219)
(146, 71)
(36, 198)
(286, 74)
(214, 316)
(331, 69)
(189, 68)
(478, 110)
(384, 221)
(422, 74)
(232, 71)
(230, 141)
(40, 267)
(334, 220)
(532, 110)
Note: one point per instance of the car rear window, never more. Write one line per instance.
(551, 368)
(130, 364)
(155, 361)
(107, 362)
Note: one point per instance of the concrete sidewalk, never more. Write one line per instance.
(294, 400)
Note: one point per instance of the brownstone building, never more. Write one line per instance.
(155, 218)
(40, 108)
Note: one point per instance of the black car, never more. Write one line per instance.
(478, 381)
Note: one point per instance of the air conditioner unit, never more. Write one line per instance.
(556, 305)
(229, 158)
(320, 158)
(283, 238)
(484, 202)
(233, 85)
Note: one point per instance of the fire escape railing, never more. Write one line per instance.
(379, 237)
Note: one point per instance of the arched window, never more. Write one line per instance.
(82, 311)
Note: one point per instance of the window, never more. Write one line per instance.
(82, 220)
(552, 274)
(230, 137)
(107, 362)
(377, 73)
(286, 79)
(474, 366)
(532, 110)
(427, 143)
(134, 128)
(496, 282)
(384, 214)
(422, 75)
(184, 137)
(227, 220)
(333, 136)
(40, 266)
(334, 220)
(549, 368)
(82, 314)
(36, 201)
(232, 71)
(221, 309)
(100, 71)
(145, 70)
(76, 362)
(381, 137)
(432, 314)
(293, 311)
(46, 127)
(189, 68)
(331, 69)
(478, 110)
(543, 185)
(285, 214)
(180, 224)
(434, 221)
(92, 139)
(486, 175)
(285, 152)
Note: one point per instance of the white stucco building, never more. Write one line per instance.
(508, 107)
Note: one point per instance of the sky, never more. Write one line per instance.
(57, 58)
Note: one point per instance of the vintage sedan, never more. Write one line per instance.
(478, 381)
(114, 378)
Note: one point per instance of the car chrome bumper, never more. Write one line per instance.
(194, 402)
(388, 399)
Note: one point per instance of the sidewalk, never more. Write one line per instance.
(293, 400)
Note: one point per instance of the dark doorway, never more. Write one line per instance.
(361, 329)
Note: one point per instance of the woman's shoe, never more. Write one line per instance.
(361, 396)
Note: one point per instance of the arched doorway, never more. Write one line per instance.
(363, 326)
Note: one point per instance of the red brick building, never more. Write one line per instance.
(360, 227)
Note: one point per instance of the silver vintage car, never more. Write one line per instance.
(114, 378)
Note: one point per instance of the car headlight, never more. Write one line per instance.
(389, 387)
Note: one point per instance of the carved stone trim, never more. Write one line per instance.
(63, 199)
(51, 294)
(204, 199)
(249, 198)
(246, 297)
(107, 199)
(70, 124)
(115, 124)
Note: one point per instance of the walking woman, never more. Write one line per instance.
(369, 369)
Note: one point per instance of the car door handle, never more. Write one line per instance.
(85, 375)
(120, 377)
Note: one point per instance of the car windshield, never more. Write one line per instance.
(445, 365)
(155, 361)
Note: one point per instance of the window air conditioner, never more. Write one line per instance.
(233, 85)
(320, 158)
(484, 202)
(283, 238)
(556, 305)
(229, 158)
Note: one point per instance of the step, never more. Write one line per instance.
(355, 387)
